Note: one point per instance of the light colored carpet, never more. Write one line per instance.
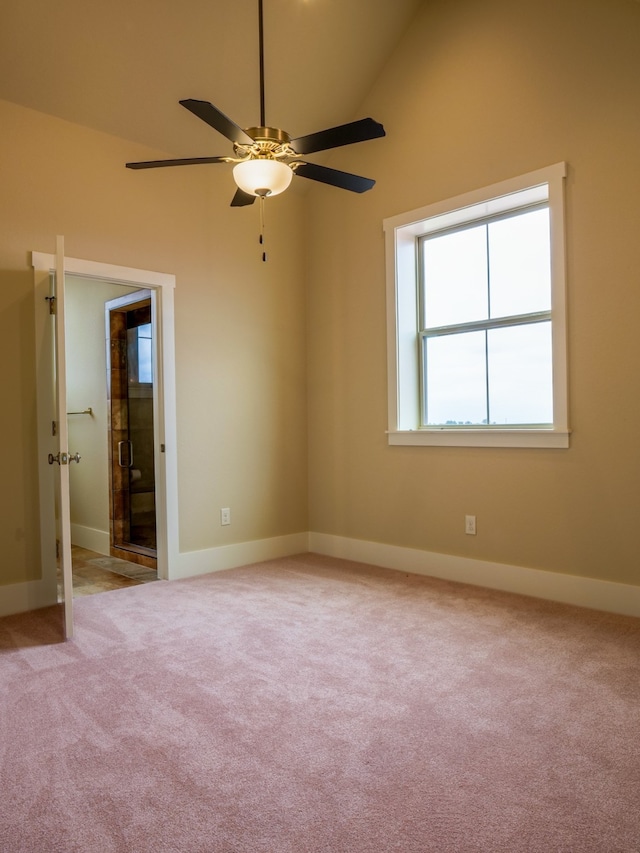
(311, 704)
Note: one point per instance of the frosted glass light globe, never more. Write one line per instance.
(262, 177)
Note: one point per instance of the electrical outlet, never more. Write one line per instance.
(225, 516)
(470, 525)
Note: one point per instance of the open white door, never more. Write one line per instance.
(53, 452)
(61, 460)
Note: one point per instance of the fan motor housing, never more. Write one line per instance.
(269, 134)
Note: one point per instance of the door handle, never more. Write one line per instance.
(64, 458)
(130, 448)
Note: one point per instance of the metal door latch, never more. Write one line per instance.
(64, 458)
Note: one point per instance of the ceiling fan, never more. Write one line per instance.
(266, 158)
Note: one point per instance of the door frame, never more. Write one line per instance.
(162, 286)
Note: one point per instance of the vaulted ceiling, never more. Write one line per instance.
(122, 66)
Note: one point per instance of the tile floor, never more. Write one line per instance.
(94, 572)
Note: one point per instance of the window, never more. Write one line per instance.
(139, 347)
(145, 354)
(476, 304)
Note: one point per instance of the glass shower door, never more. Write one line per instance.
(142, 508)
(131, 402)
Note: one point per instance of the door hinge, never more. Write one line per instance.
(52, 304)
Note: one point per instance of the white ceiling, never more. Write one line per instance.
(121, 66)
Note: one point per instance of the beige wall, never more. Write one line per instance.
(480, 91)
(240, 339)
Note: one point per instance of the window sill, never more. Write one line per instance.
(541, 438)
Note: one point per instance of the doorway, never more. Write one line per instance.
(87, 426)
(99, 431)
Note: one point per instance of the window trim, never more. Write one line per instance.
(403, 360)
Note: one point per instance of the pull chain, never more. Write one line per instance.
(262, 240)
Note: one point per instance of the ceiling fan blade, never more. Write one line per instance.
(190, 161)
(343, 180)
(213, 117)
(334, 137)
(241, 198)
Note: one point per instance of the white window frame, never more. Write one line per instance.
(402, 235)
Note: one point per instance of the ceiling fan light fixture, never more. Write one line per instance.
(262, 176)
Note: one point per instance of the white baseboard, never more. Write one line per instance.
(32, 595)
(553, 586)
(90, 538)
(191, 563)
